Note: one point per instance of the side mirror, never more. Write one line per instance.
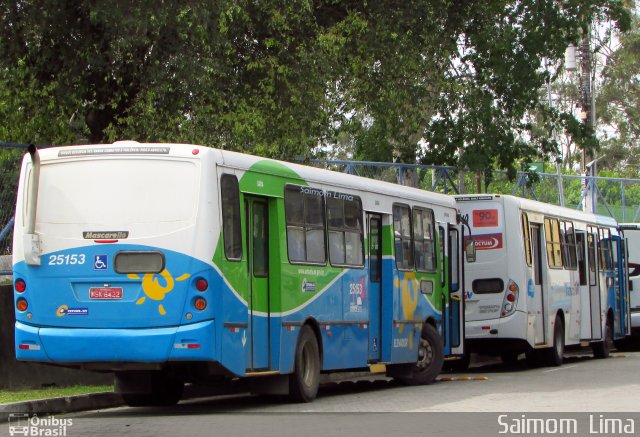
(470, 250)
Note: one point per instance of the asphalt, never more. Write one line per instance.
(100, 401)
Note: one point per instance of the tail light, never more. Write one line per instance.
(201, 284)
(22, 304)
(20, 285)
(510, 300)
(200, 303)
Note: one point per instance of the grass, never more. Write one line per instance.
(8, 396)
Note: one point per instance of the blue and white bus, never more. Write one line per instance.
(170, 264)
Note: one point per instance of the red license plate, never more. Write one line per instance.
(105, 293)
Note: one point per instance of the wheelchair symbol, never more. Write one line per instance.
(100, 262)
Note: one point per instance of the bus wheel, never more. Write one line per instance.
(305, 379)
(602, 348)
(430, 358)
(555, 355)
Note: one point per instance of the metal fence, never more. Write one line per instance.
(615, 197)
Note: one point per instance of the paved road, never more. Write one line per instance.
(605, 388)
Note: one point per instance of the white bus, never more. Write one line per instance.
(545, 277)
(632, 234)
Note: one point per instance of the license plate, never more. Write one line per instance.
(105, 293)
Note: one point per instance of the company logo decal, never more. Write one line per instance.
(105, 235)
(64, 310)
(154, 290)
(487, 241)
(308, 287)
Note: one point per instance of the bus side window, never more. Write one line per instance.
(441, 237)
(527, 238)
(568, 245)
(402, 237)
(554, 249)
(581, 261)
(424, 240)
(304, 211)
(604, 246)
(591, 256)
(344, 218)
(231, 227)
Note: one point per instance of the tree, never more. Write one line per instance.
(619, 104)
(495, 80)
(448, 81)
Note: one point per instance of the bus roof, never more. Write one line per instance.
(541, 207)
(244, 162)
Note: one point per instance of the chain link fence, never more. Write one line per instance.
(615, 197)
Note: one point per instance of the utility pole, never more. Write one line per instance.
(586, 93)
(555, 139)
(588, 114)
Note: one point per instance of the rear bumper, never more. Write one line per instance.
(635, 318)
(195, 342)
(506, 331)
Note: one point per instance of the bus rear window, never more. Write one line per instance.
(117, 192)
(487, 286)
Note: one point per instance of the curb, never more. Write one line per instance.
(68, 404)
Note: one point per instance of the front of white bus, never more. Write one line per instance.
(108, 264)
(494, 321)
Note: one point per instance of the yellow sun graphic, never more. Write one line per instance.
(154, 290)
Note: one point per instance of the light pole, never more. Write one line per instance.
(590, 199)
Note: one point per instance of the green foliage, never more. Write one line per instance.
(281, 77)
(618, 104)
(9, 170)
(10, 396)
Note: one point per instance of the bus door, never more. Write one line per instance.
(456, 300)
(535, 289)
(624, 280)
(594, 284)
(257, 222)
(375, 286)
(583, 273)
(620, 289)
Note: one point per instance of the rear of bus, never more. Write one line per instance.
(632, 234)
(109, 270)
(494, 322)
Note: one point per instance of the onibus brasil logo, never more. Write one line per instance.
(22, 424)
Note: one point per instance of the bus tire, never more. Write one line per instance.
(305, 379)
(555, 354)
(601, 349)
(430, 358)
